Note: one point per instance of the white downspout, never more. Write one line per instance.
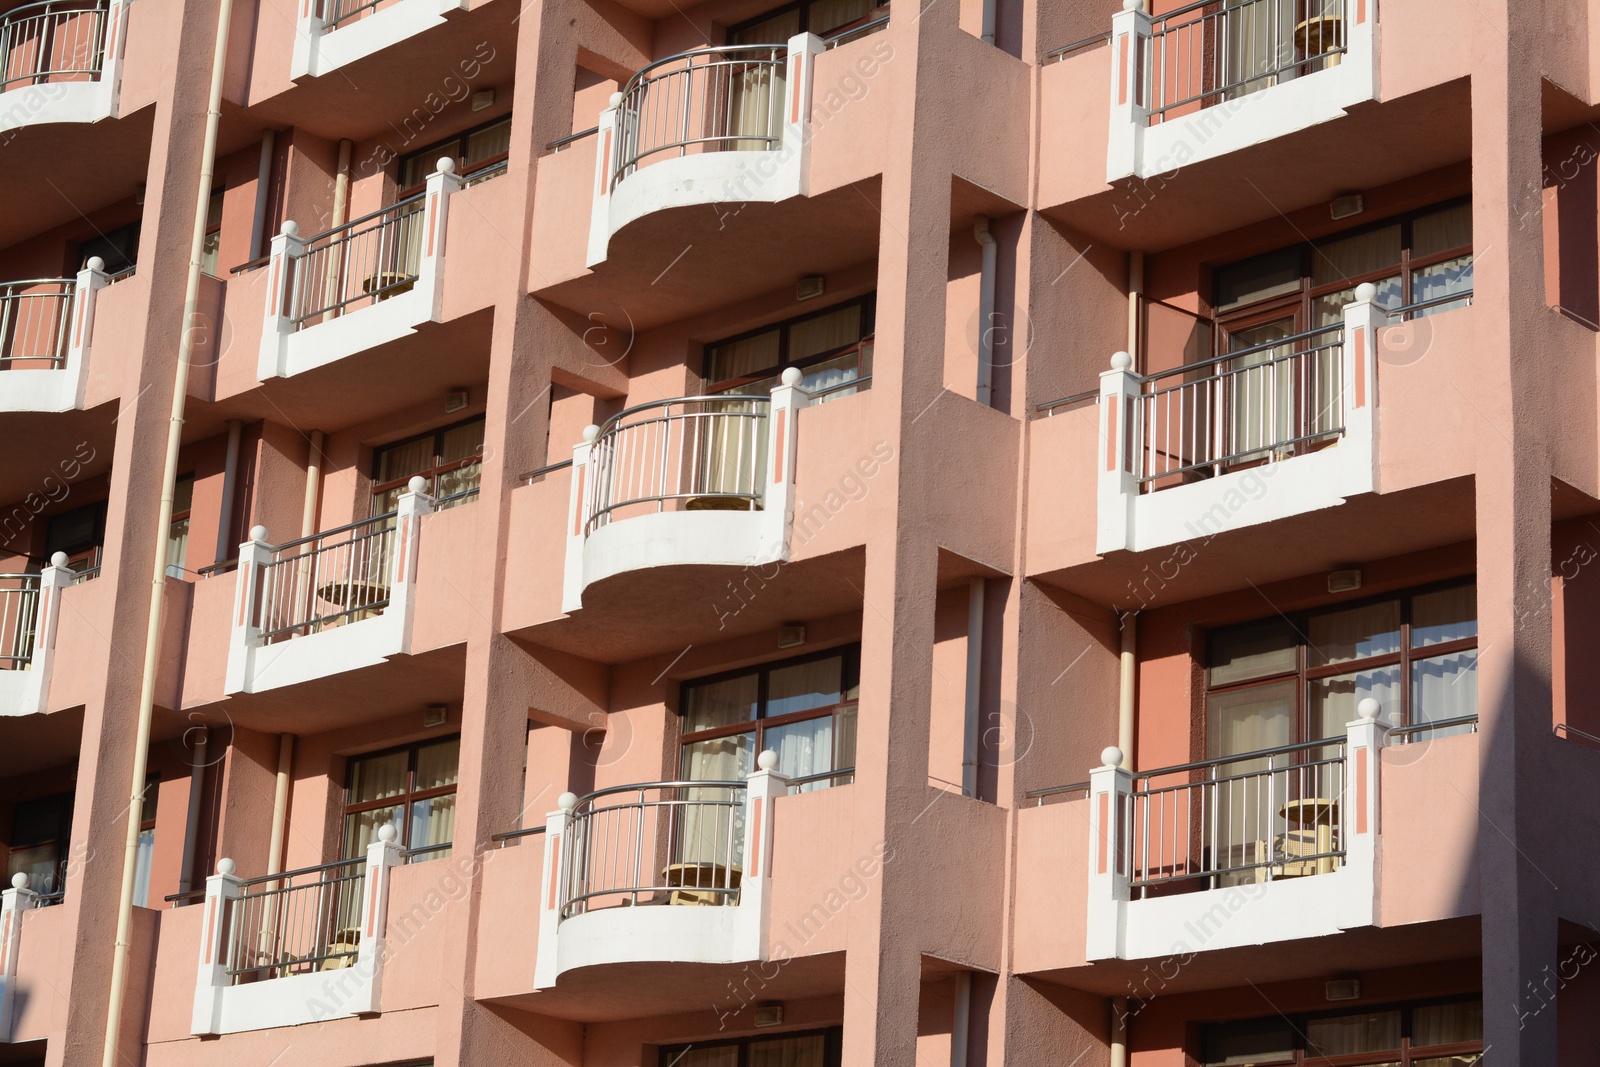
(280, 804)
(980, 230)
(1119, 1032)
(191, 829)
(263, 181)
(1135, 294)
(341, 214)
(158, 578)
(226, 545)
(969, 733)
(308, 511)
(988, 21)
(961, 1024)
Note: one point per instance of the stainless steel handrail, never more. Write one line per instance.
(847, 34)
(562, 142)
(548, 468)
(1223, 761)
(1412, 729)
(1099, 38)
(1562, 727)
(1055, 790)
(47, 18)
(824, 776)
(1049, 407)
(516, 835)
(1265, 346)
(297, 872)
(385, 517)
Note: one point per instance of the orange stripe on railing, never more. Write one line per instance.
(577, 512)
(1361, 12)
(1111, 434)
(777, 460)
(755, 841)
(794, 81)
(433, 221)
(77, 323)
(1105, 828)
(1122, 69)
(555, 871)
(372, 900)
(5, 941)
(244, 583)
(1361, 790)
(605, 163)
(405, 537)
(211, 914)
(1361, 367)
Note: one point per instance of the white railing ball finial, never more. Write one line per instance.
(1111, 756)
(791, 376)
(1366, 292)
(289, 228)
(19, 880)
(616, 99)
(1121, 361)
(258, 533)
(590, 432)
(446, 165)
(417, 484)
(58, 560)
(1368, 709)
(226, 866)
(1133, 5)
(386, 833)
(567, 801)
(96, 264)
(768, 760)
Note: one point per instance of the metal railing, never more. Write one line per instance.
(516, 835)
(848, 387)
(846, 34)
(297, 922)
(1039, 796)
(656, 843)
(1208, 52)
(52, 41)
(336, 13)
(1460, 724)
(19, 609)
(327, 579)
(1050, 407)
(1256, 817)
(36, 321)
(728, 98)
(1255, 404)
(1409, 311)
(798, 784)
(1066, 50)
(561, 142)
(540, 472)
(709, 452)
(1572, 732)
(360, 263)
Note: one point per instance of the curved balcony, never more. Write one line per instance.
(46, 325)
(693, 480)
(60, 61)
(704, 127)
(30, 609)
(658, 871)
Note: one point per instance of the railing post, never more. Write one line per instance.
(277, 322)
(13, 902)
(250, 581)
(794, 155)
(46, 618)
(783, 452)
(607, 148)
(90, 280)
(443, 183)
(577, 516)
(552, 892)
(413, 504)
(1110, 804)
(382, 855)
(1131, 57)
(1360, 817)
(307, 39)
(211, 976)
(762, 789)
(1359, 386)
(1119, 455)
(116, 32)
(1359, 70)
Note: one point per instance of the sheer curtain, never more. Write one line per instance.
(789, 1052)
(1260, 39)
(1241, 829)
(1259, 392)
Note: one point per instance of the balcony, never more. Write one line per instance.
(336, 601)
(17, 904)
(334, 33)
(297, 947)
(60, 61)
(664, 871)
(359, 285)
(715, 125)
(1205, 79)
(30, 613)
(46, 325)
(705, 480)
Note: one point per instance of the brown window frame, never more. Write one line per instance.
(671, 1055)
(803, 6)
(457, 147)
(869, 320)
(432, 473)
(398, 800)
(1405, 1055)
(62, 844)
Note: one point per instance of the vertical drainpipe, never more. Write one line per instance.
(226, 546)
(1130, 620)
(980, 230)
(1119, 1032)
(341, 214)
(969, 733)
(961, 1024)
(988, 20)
(280, 803)
(1135, 294)
(263, 181)
(308, 513)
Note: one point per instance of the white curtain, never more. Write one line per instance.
(141, 868)
(789, 1052)
(1241, 829)
(1260, 40)
(1445, 687)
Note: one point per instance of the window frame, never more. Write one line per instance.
(437, 469)
(868, 303)
(803, 6)
(1405, 1055)
(82, 556)
(850, 667)
(1304, 674)
(398, 800)
(62, 844)
(456, 145)
(832, 1055)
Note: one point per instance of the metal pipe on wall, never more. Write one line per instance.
(308, 511)
(341, 215)
(1127, 682)
(280, 804)
(961, 1024)
(980, 230)
(969, 733)
(1135, 294)
(1119, 1032)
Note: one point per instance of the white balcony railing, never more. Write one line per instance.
(72, 46)
(702, 479)
(267, 944)
(46, 325)
(15, 901)
(700, 850)
(333, 33)
(19, 609)
(30, 613)
(335, 601)
(727, 123)
(369, 281)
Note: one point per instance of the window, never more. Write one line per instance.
(832, 347)
(803, 709)
(819, 1049)
(1443, 1034)
(821, 17)
(178, 532)
(41, 832)
(412, 788)
(79, 533)
(450, 460)
(476, 152)
(213, 239)
(147, 842)
(119, 248)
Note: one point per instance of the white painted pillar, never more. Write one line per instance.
(1362, 321)
(211, 974)
(13, 902)
(413, 504)
(783, 452)
(283, 279)
(53, 580)
(309, 29)
(795, 146)
(383, 855)
(1131, 54)
(250, 583)
(578, 498)
(1359, 817)
(762, 790)
(90, 280)
(608, 145)
(553, 891)
(443, 183)
(1110, 805)
(1119, 464)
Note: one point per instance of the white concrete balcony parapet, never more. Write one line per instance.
(336, 601)
(1241, 439)
(296, 947)
(13, 902)
(359, 285)
(333, 33)
(60, 61)
(659, 872)
(1243, 850)
(30, 613)
(1208, 79)
(730, 124)
(46, 326)
(695, 480)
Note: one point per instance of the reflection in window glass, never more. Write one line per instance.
(1354, 633)
(1255, 650)
(1346, 1034)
